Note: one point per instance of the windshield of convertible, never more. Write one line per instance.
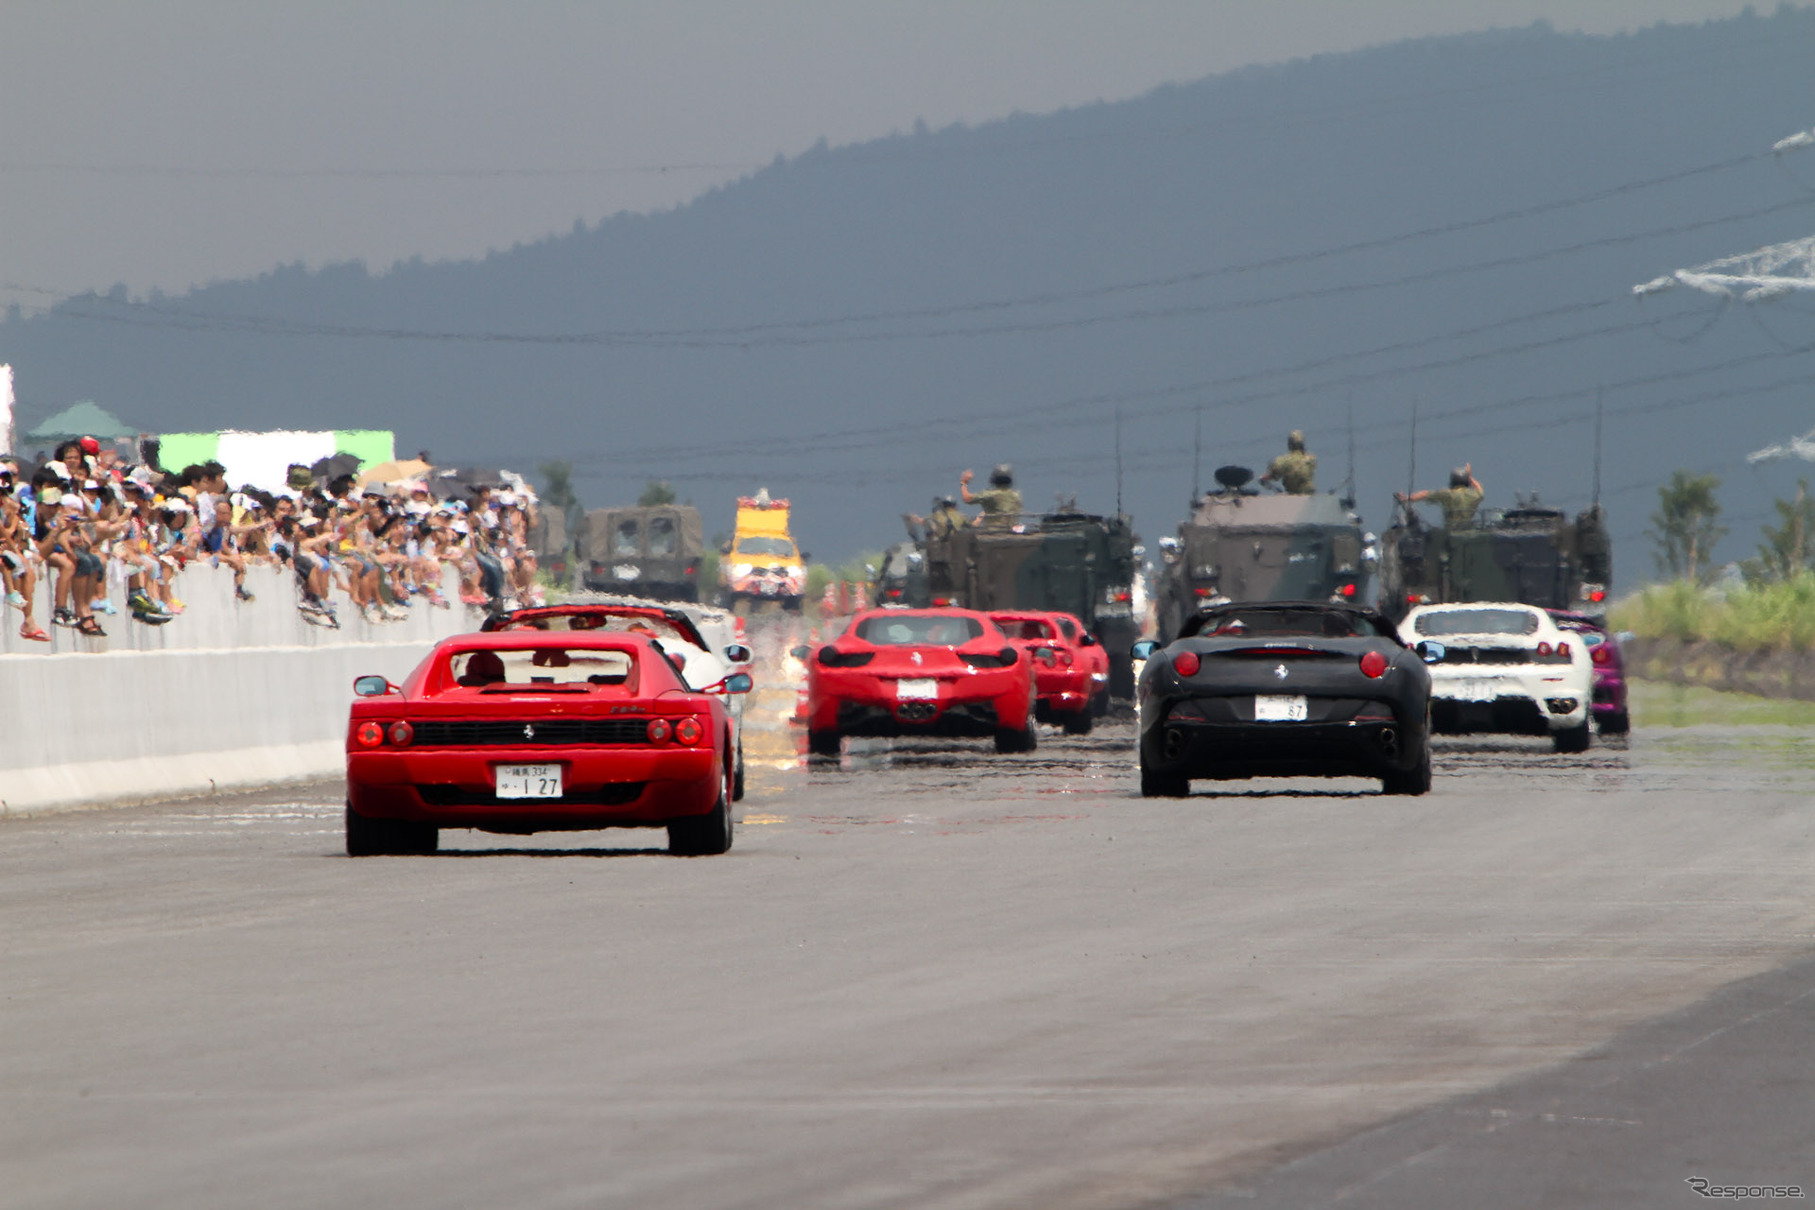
(1477, 621)
(911, 630)
(503, 670)
(1286, 623)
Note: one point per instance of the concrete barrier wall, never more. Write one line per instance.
(231, 694)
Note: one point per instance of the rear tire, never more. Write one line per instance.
(369, 837)
(705, 835)
(1163, 785)
(1416, 780)
(1079, 723)
(1574, 739)
(823, 743)
(1618, 723)
(1018, 741)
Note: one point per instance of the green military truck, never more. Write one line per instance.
(1241, 544)
(553, 545)
(651, 552)
(1066, 561)
(1531, 554)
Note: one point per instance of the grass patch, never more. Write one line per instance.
(1655, 704)
(1779, 616)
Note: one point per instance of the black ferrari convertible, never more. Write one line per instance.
(1284, 689)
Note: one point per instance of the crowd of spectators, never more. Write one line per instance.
(86, 519)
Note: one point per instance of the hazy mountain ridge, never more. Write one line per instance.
(1191, 178)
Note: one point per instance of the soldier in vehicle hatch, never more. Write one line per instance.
(1001, 504)
(1459, 501)
(945, 518)
(1296, 469)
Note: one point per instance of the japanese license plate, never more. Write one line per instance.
(1279, 709)
(529, 781)
(1472, 690)
(917, 690)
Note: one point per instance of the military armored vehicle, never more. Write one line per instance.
(1530, 554)
(1065, 561)
(1241, 544)
(651, 552)
(553, 545)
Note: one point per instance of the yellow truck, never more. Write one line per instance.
(761, 562)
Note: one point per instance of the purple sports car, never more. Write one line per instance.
(1609, 709)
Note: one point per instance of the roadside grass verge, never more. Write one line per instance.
(1655, 704)
(1767, 617)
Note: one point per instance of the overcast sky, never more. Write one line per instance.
(165, 144)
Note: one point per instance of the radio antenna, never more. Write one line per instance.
(1599, 392)
(1197, 457)
(1348, 501)
(1118, 460)
(1411, 474)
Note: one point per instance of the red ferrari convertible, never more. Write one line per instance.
(530, 731)
(919, 672)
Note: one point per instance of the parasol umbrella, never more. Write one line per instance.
(397, 471)
(334, 466)
(466, 478)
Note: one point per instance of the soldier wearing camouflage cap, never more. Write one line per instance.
(1001, 504)
(1459, 501)
(1296, 469)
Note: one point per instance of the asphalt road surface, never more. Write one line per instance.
(932, 977)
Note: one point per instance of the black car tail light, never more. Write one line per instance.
(1186, 663)
(1373, 665)
(982, 659)
(831, 657)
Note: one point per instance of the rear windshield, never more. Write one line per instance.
(913, 630)
(1477, 621)
(1291, 623)
(502, 669)
(1028, 628)
(777, 547)
(656, 628)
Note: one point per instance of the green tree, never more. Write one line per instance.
(558, 492)
(1686, 526)
(1788, 549)
(658, 492)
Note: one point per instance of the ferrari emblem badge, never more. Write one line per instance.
(1280, 672)
(916, 658)
(529, 731)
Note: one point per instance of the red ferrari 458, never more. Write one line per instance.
(531, 731)
(920, 672)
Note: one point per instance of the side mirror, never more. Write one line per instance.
(373, 686)
(724, 548)
(1087, 639)
(801, 652)
(807, 557)
(1430, 651)
(737, 653)
(737, 682)
(1146, 649)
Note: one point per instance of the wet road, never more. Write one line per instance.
(927, 976)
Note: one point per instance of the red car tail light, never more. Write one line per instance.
(1563, 650)
(1601, 656)
(1373, 665)
(1543, 648)
(401, 734)
(369, 735)
(1348, 590)
(658, 731)
(688, 731)
(1065, 658)
(1186, 663)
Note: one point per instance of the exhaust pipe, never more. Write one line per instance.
(1389, 738)
(1173, 743)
